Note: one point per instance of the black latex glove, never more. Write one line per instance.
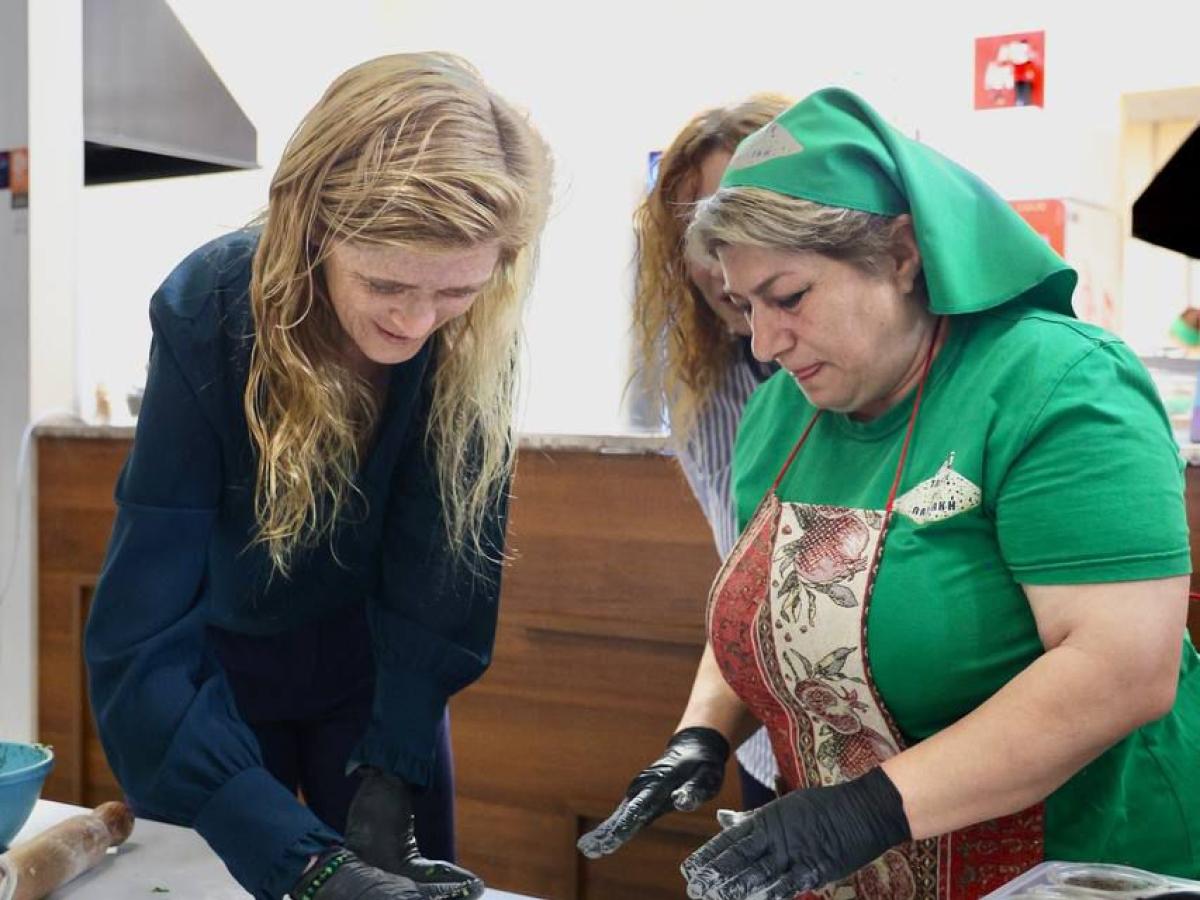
(800, 842)
(355, 880)
(379, 829)
(686, 776)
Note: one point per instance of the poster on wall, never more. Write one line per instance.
(1093, 248)
(1010, 70)
(652, 160)
(18, 177)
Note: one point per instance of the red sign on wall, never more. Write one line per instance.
(1010, 70)
(1048, 218)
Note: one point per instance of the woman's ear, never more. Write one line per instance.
(906, 255)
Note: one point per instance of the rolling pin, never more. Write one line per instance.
(63, 852)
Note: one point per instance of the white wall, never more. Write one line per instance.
(1162, 281)
(56, 143)
(16, 628)
(607, 83)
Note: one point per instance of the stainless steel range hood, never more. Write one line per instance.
(152, 105)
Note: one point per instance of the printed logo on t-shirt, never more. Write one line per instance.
(944, 495)
(769, 142)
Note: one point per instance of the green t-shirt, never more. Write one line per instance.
(1041, 455)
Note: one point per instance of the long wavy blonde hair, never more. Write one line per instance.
(667, 306)
(413, 150)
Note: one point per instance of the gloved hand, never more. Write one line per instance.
(379, 829)
(340, 875)
(686, 776)
(800, 842)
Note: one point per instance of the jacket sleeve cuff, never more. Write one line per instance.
(262, 832)
(402, 736)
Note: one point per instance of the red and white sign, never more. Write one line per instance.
(1010, 70)
(1048, 218)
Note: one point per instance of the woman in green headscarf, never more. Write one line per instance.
(959, 597)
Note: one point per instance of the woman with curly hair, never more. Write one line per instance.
(694, 351)
(306, 556)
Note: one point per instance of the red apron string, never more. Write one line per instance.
(912, 420)
(937, 331)
(796, 449)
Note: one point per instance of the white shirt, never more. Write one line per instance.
(707, 461)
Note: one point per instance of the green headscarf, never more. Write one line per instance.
(977, 252)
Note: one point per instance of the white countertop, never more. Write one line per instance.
(158, 862)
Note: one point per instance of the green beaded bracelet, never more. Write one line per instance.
(324, 875)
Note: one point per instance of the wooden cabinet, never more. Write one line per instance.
(600, 632)
(75, 513)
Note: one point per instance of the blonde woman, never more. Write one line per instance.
(694, 349)
(306, 556)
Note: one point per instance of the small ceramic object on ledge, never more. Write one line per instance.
(134, 401)
(103, 408)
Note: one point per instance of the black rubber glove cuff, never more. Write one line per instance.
(710, 737)
(697, 740)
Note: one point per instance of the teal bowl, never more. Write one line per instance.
(23, 770)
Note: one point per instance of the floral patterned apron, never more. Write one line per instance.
(787, 619)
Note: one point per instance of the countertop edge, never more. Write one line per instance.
(590, 443)
(546, 442)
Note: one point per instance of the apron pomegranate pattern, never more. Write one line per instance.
(787, 620)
